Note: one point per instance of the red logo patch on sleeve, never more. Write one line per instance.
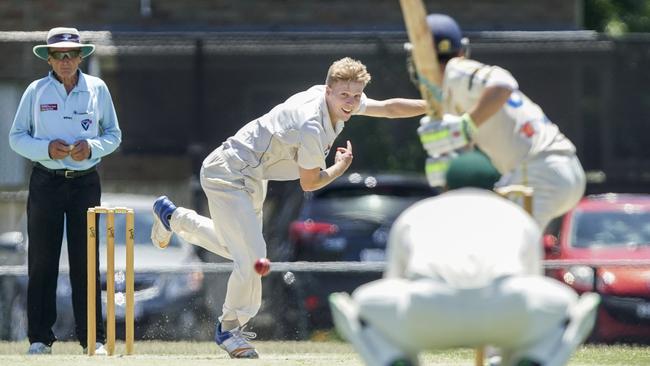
(49, 107)
(527, 129)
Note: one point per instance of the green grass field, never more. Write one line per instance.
(279, 353)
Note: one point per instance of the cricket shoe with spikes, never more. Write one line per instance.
(161, 232)
(235, 342)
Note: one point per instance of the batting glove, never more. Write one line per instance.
(441, 137)
(436, 169)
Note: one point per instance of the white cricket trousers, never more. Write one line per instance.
(233, 232)
(524, 316)
(558, 183)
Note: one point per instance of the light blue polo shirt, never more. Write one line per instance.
(46, 112)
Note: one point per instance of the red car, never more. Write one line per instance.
(608, 227)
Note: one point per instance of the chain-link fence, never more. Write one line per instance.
(180, 94)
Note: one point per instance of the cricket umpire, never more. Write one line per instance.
(65, 124)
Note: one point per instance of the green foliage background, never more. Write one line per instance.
(616, 17)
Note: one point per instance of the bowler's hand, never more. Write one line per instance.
(344, 156)
(80, 150)
(58, 149)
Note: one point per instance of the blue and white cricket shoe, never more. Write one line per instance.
(235, 342)
(161, 232)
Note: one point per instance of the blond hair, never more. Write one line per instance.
(347, 69)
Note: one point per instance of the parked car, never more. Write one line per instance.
(12, 254)
(607, 227)
(348, 220)
(169, 294)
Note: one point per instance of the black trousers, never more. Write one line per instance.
(55, 201)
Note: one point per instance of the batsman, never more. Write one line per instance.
(482, 105)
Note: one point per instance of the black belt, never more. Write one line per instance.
(69, 174)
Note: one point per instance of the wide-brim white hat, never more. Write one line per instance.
(61, 37)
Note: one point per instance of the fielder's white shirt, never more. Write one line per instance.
(296, 133)
(518, 131)
(494, 238)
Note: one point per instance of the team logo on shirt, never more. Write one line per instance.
(49, 107)
(86, 124)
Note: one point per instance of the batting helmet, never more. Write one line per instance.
(446, 34)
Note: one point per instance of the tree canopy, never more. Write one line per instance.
(616, 17)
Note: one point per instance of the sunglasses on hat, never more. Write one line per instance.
(60, 55)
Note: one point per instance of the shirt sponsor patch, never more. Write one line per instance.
(86, 124)
(49, 107)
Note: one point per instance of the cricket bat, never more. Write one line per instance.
(424, 55)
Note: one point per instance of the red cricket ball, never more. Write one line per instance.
(263, 266)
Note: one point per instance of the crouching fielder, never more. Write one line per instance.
(464, 270)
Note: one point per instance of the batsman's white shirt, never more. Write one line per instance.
(518, 131)
(297, 133)
(522, 143)
(464, 270)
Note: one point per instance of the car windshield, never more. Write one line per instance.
(142, 221)
(610, 228)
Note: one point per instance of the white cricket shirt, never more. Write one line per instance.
(296, 133)
(518, 131)
(466, 238)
